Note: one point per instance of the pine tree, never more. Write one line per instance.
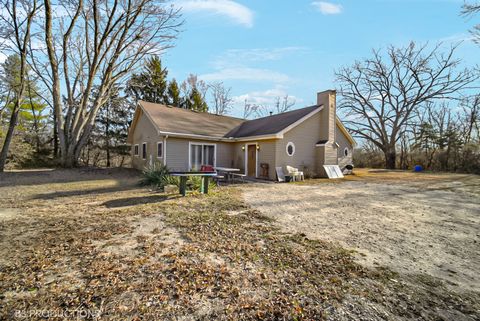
(151, 84)
(196, 101)
(174, 98)
(32, 120)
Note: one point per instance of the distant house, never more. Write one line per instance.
(183, 140)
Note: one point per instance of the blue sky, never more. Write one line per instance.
(263, 49)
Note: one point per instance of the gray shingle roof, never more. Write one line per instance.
(269, 125)
(183, 121)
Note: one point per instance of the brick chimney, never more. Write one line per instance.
(327, 150)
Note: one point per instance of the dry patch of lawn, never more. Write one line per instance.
(94, 241)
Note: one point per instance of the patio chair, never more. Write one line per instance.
(295, 173)
(207, 168)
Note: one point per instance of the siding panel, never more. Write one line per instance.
(305, 136)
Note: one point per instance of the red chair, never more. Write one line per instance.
(207, 168)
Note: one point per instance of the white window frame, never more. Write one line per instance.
(137, 148)
(160, 149)
(201, 144)
(293, 147)
(144, 143)
(256, 158)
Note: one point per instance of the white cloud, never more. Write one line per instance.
(327, 8)
(240, 57)
(3, 57)
(264, 98)
(238, 13)
(460, 37)
(245, 73)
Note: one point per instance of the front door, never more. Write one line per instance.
(252, 160)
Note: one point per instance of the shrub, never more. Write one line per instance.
(194, 183)
(158, 175)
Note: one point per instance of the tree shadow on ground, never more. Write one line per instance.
(58, 175)
(84, 192)
(141, 200)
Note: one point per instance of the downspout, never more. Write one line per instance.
(165, 150)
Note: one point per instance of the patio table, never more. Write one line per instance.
(184, 176)
(228, 171)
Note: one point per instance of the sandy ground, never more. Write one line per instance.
(423, 224)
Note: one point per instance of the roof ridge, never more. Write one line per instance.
(285, 112)
(191, 111)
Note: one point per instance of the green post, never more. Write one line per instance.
(183, 185)
(204, 187)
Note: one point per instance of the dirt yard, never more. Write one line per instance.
(410, 223)
(91, 243)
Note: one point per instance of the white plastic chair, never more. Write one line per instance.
(295, 173)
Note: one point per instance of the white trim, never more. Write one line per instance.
(345, 132)
(221, 139)
(138, 150)
(201, 144)
(324, 144)
(194, 136)
(165, 150)
(259, 137)
(286, 148)
(144, 143)
(158, 157)
(256, 158)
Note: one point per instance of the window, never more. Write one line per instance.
(135, 150)
(201, 154)
(290, 149)
(345, 151)
(144, 150)
(159, 150)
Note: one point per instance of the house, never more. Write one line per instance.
(183, 140)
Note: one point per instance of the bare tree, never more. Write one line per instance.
(16, 20)
(469, 10)
(284, 103)
(222, 100)
(95, 46)
(250, 109)
(380, 95)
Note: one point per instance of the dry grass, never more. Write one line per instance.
(94, 241)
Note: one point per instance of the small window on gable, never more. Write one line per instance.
(290, 149)
(346, 151)
(135, 150)
(144, 150)
(159, 150)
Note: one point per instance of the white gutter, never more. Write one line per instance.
(165, 150)
(224, 139)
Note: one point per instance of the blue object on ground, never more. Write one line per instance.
(418, 168)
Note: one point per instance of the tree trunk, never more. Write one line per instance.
(390, 158)
(9, 136)
(55, 136)
(107, 138)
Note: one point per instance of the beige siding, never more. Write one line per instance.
(266, 154)
(178, 153)
(144, 132)
(344, 143)
(238, 156)
(305, 136)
